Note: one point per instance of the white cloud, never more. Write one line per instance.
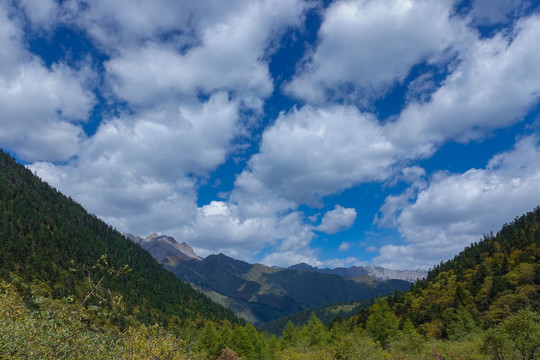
(158, 73)
(136, 171)
(213, 47)
(40, 108)
(455, 210)
(337, 220)
(140, 171)
(187, 72)
(217, 226)
(121, 23)
(310, 153)
(344, 246)
(494, 85)
(365, 46)
(308, 256)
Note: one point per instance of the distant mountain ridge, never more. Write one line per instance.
(376, 272)
(260, 293)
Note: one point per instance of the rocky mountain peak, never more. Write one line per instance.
(151, 237)
(165, 249)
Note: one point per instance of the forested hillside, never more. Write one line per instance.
(260, 293)
(483, 304)
(72, 287)
(481, 286)
(50, 246)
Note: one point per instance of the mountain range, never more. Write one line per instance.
(73, 287)
(376, 272)
(260, 293)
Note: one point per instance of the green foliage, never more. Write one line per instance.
(462, 324)
(44, 234)
(517, 337)
(382, 324)
(327, 314)
(483, 285)
(54, 332)
(59, 330)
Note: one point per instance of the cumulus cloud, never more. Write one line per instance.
(176, 51)
(371, 249)
(455, 210)
(191, 75)
(312, 152)
(136, 172)
(337, 220)
(366, 46)
(217, 226)
(140, 171)
(49, 128)
(309, 153)
(309, 256)
(122, 22)
(127, 23)
(493, 86)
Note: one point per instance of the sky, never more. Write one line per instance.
(336, 133)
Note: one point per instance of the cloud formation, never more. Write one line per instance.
(181, 92)
(337, 220)
(455, 210)
(311, 152)
(366, 46)
(41, 108)
(493, 86)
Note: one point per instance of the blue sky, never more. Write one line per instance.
(336, 133)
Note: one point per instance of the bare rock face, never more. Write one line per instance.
(376, 272)
(387, 274)
(165, 249)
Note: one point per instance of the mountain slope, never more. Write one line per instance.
(259, 293)
(481, 287)
(44, 234)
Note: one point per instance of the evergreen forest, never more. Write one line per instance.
(72, 287)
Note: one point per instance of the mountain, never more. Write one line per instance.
(259, 293)
(376, 272)
(52, 247)
(165, 249)
(482, 286)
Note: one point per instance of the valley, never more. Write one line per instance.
(258, 293)
(72, 287)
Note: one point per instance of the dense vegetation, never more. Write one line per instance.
(481, 286)
(327, 314)
(72, 287)
(52, 247)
